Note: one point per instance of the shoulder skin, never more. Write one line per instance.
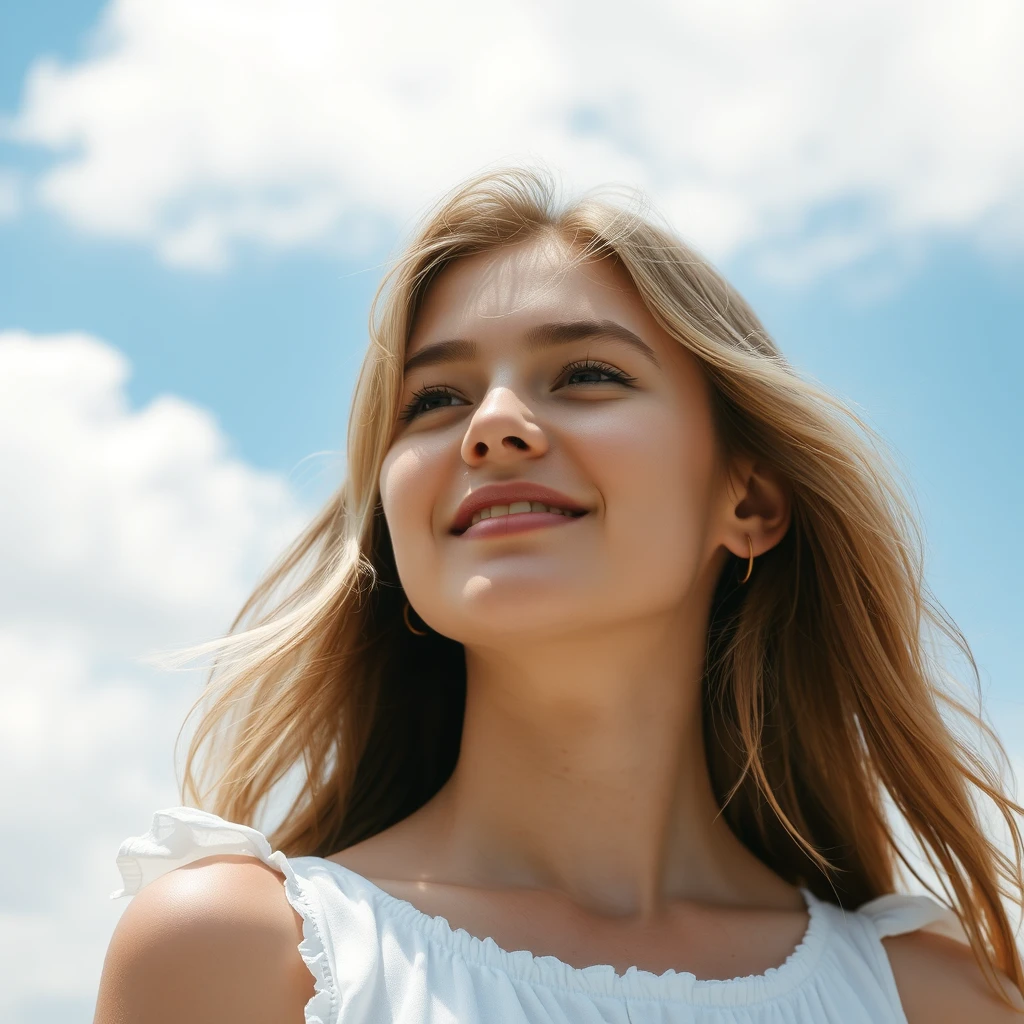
(212, 941)
(940, 982)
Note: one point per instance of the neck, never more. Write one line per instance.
(582, 769)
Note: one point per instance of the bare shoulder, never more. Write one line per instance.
(939, 981)
(214, 940)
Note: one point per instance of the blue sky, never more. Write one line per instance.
(892, 273)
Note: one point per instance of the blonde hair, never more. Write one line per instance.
(822, 700)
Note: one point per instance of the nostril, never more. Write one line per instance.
(480, 448)
(517, 442)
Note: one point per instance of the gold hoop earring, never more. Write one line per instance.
(408, 624)
(750, 564)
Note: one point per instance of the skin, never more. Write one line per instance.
(582, 764)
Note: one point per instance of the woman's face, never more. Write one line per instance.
(619, 428)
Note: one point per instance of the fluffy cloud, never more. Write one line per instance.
(143, 512)
(755, 126)
(121, 532)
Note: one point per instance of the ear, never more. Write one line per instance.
(759, 503)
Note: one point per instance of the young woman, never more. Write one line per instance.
(609, 672)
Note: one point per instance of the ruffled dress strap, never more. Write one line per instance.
(181, 835)
(896, 914)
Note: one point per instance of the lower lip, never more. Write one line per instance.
(503, 526)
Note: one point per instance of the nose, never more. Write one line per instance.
(502, 431)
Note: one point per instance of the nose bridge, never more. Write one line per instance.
(502, 399)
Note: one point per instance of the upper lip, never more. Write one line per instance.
(506, 494)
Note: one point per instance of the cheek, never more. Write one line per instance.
(654, 468)
(408, 482)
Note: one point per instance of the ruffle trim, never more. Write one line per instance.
(601, 979)
(180, 835)
(897, 914)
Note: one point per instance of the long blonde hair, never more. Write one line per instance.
(823, 709)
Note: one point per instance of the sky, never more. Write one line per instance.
(197, 203)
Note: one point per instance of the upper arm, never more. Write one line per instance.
(940, 982)
(212, 941)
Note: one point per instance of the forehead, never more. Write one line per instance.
(518, 285)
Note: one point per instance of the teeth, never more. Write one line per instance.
(516, 508)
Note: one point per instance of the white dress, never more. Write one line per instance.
(376, 958)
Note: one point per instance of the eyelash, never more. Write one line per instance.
(431, 390)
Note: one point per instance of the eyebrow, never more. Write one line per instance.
(454, 350)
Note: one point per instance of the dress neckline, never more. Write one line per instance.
(596, 979)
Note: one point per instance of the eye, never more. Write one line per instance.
(592, 371)
(434, 396)
(578, 373)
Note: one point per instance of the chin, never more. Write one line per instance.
(489, 607)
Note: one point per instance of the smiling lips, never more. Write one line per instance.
(507, 523)
(515, 509)
(502, 520)
(502, 509)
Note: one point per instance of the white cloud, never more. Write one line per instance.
(122, 531)
(143, 511)
(200, 124)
